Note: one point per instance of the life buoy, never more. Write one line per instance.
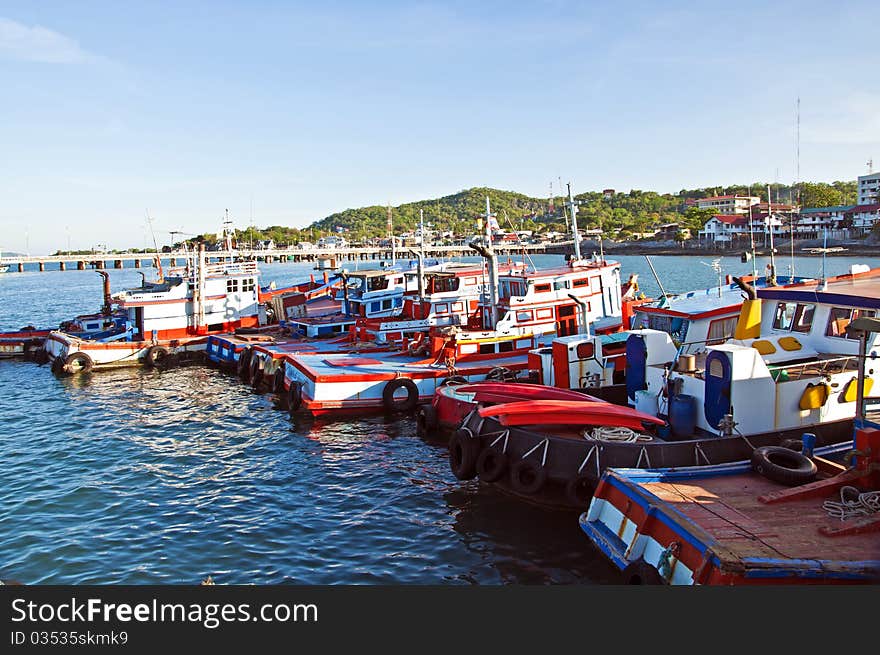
(294, 397)
(454, 379)
(407, 404)
(527, 477)
(579, 489)
(464, 449)
(491, 464)
(783, 465)
(155, 355)
(78, 362)
(426, 421)
(244, 364)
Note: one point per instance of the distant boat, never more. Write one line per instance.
(3, 267)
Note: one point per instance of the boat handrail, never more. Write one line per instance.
(821, 366)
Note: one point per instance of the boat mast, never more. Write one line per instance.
(752, 240)
(493, 266)
(574, 227)
(771, 279)
(199, 290)
(390, 228)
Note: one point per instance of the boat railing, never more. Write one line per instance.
(814, 368)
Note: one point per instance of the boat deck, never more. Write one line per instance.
(726, 509)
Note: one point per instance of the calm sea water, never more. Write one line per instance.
(133, 476)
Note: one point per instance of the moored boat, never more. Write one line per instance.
(784, 516)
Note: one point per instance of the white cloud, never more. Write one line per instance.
(38, 44)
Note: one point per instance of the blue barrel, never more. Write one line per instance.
(683, 415)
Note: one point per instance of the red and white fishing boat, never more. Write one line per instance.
(158, 321)
(510, 319)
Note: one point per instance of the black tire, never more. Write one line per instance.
(256, 373)
(579, 490)
(501, 374)
(491, 464)
(426, 421)
(641, 573)
(294, 397)
(793, 444)
(78, 363)
(243, 367)
(783, 465)
(155, 356)
(278, 381)
(463, 452)
(405, 405)
(246, 331)
(454, 379)
(168, 361)
(527, 477)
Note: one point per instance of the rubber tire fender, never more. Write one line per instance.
(783, 465)
(579, 489)
(491, 464)
(244, 364)
(84, 362)
(501, 374)
(641, 573)
(426, 420)
(527, 477)
(155, 355)
(406, 405)
(294, 397)
(278, 381)
(256, 373)
(463, 452)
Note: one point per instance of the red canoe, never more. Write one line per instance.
(508, 392)
(567, 412)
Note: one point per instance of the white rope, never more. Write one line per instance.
(853, 502)
(618, 434)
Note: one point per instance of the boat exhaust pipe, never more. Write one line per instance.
(748, 326)
(585, 322)
(107, 307)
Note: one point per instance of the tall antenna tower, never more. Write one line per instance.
(870, 166)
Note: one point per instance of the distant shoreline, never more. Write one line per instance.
(782, 250)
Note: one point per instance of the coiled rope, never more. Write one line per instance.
(853, 502)
(618, 434)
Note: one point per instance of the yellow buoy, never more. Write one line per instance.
(852, 387)
(815, 396)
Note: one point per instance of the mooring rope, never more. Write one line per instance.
(853, 502)
(618, 434)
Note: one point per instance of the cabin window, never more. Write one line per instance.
(543, 313)
(215, 327)
(541, 288)
(721, 330)
(377, 283)
(524, 316)
(840, 317)
(561, 284)
(487, 348)
(457, 307)
(505, 346)
(398, 280)
(470, 281)
(581, 282)
(441, 308)
(231, 286)
(585, 350)
(716, 368)
(248, 284)
(596, 284)
(387, 304)
(784, 315)
(567, 310)
(803, 318)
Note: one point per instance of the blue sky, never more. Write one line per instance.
(290, 111)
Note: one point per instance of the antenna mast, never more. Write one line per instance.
(771, 279)
(390, 227)
(574, 225)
